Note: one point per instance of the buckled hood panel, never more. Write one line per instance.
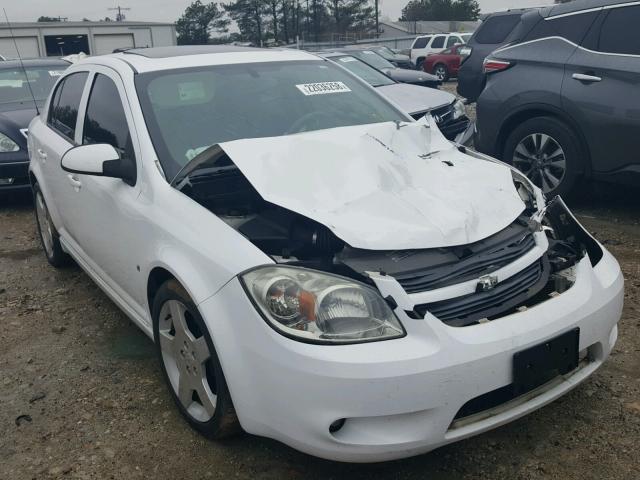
(382, 186)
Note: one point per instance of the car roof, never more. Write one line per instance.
(579, 5)
(33, 62)
(175, 57)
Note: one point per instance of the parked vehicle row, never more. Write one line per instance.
(559, 97)
(313, 265)
(448, 112)
(424, 45)
(402, 75)
(20, 98)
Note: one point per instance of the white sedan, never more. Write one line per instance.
(313, 265)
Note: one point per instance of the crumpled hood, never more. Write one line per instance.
(414, 98)
(378, 187)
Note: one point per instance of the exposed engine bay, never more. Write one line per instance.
(293, 239)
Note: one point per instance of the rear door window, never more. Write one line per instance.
(615, 34)
(63, 111)
(421, 42)
(495, 30)
(438, 42)
(573, 27)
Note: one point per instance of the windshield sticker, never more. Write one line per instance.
(188, 91)
(368, 52)
(348, 59)
(55, 73)
(322, 88)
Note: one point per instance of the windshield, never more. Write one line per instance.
(188, 110)
(466, 36)
(372, 58)
(14, 87)
(373, 77)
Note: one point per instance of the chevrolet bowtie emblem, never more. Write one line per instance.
(486, 283)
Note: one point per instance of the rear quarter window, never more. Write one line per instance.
(421, 42)
(495, 30)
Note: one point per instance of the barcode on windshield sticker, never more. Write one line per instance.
(322, 88)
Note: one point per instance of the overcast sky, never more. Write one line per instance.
(170, 10)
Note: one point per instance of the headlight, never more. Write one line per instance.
(459, 110)
(319, 307)
(7, 145)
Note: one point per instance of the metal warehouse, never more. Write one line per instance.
(55, 39)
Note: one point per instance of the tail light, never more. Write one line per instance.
(491, 65)
(464, 52)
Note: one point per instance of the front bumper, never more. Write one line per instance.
(400, 397)
(14, 166)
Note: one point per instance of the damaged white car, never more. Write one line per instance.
(313, 265)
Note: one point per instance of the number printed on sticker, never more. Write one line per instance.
(322, 88)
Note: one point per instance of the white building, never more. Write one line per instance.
(55, 39)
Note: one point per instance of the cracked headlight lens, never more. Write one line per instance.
(318, 307)
(7, 145)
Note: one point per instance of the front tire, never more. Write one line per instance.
(190, 364)
(49, 237)
(442, 72)
(548, 152)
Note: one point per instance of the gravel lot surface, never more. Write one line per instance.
(82, 396)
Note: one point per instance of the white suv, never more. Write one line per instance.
(434, 43)
(312, 264)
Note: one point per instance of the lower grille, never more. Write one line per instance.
(468, 309)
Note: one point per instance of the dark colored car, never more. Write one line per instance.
(496, 30)
(401, 75)
(562, 103)
(397, 59)
(17, 109)
(445, 64)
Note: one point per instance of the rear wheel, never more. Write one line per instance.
(190, 364)
(548, 152)
(419, 63)
(49, 237)
(442, 72)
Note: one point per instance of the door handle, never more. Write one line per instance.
(75, 182)
(42, 155)
(583, 77)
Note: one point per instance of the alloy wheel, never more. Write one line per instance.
(441, 73)
(185, 354)
(541, 158)
(44, 222)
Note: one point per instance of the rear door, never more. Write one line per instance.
(51, 137)
(437, 44)
(600, 89)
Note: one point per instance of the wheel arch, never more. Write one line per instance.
(531, 111)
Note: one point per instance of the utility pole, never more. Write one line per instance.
(377, 20)
(119, 16)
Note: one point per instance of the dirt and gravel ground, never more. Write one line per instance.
(81, 394)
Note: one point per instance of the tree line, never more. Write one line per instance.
(282, 21)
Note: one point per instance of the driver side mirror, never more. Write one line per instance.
(99, 159)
